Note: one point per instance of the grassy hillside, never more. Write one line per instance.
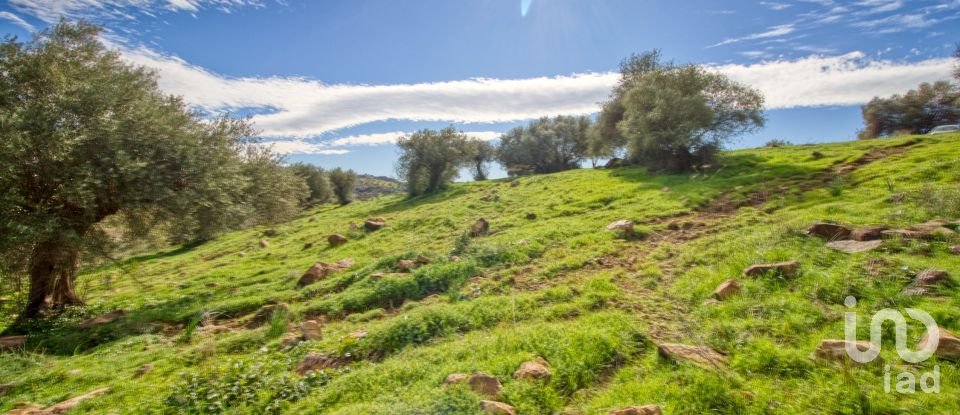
(547, 281)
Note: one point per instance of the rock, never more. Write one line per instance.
(480, 227)
(336, 239)
(931, 277)
(934, 229)
(896, 197)
(264, 243)
(27, 408)
(143, 370)
(12, 342)
(421, 260)
(102, 319)
(497, 408)
(406, 265)
(514, 183)
(853, 247)
(702, 356)
(925, 232)
(489, 197)
(785, 269)
(311, 330)
(829, 231)
(265, 314)
(948, 346)
(6, 387)
(836, 350)
(531, 216)
(357, 334)
(868, 233)
(637, 410)
(308, 245)
(376, 276)
(214, 329)
(816, 155)
(316, 273)
(289, 340)
(485, 384)
(955, 249)
(270, 233)
(536, 369)
(374, 224)
(726, 290)
(316, 361)
(613, 163)
(455, 379)
(342, 264)
(623, 226)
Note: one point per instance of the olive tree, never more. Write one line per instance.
(546, 145)
(481, 154)
(430, 160)
(85, 136)
(343, 182)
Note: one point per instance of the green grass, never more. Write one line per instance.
(558, 286)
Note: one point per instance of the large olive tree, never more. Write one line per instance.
(430, 159)
(85, 136)
(545, 145)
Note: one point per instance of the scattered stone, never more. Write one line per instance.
(536, 369)
(455, 379)
(373, 224)
(358, 334)
(836, 350)
(829, 231)
(214, 329)
(905, 234)
(665, 189)
(316, 361)
(12, 342)
(264, 243)
(925, 231)
(785, 269)
(210, 284)
(316, 273)
(816, 155)
(702, 356)
(342, 264)
(531, 216)
(421, 260)
(624, 226)
(336, 239)
(143, 370)
(241, 254)
(931, 277)
(726, 290)
(868, 233)
(955, 249)
(27, 408)
(376, 276)
(613, 163)
(948, 346)
(102, 319)
(289, 340)
(406, 265)
(637, 410)
(490, 197)
(514, 183)
(853, 247)
(308, 245)
(265, 314)
(485, 384)
(311, 330)
(480, 227)
(270, 233)
(5, 388)
(497, 408)
(896, 197)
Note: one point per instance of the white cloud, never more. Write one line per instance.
(302, 147)
(775, 31)
(775, 5)
(303, 108)
(51, 10)
(17, 21)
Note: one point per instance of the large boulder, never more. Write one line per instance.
(637, 410)
(829, 231)
(497, 408)
(317, 272)
(102, 319)
(726, 289)
(536, 369)
(836, 350)
(485, 384)
(336, 239)
(948, 346)
(702, 356)
(480, 227)
(311, 330)
(783, 269)
(854, 247)
(868, 233)
(374, 224)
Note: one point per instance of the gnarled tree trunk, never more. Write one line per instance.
(53, 266)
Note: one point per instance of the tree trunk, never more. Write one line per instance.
(53, 266)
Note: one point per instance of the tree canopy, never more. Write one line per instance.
(430, 160)
(546, 145)
(915, 112)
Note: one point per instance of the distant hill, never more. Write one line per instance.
(370, 186)
(682, 313)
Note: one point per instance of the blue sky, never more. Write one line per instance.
(335, 82)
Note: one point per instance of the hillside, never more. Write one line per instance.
(547, 280)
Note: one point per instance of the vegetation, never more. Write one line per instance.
(430, 160)
(557, 286)
(915, 112)
(546, 145)
(343, 183)
(317, 182)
